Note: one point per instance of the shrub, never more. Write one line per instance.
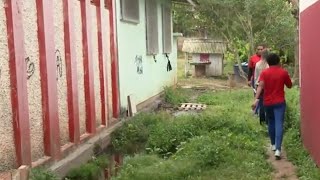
(134, 134)
(42, 174)
(130, 138)
(174, 96)
(101, 161)
(293, 142)
(89, 171)
(166, 137)
(85, 172)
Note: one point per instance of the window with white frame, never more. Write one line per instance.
(130, 11)
(166, 28)
(152, 39)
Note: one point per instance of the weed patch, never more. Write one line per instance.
(175, 96)
(292, 141)
(134, 134)
(89, 171)
(42, 174)
(224, 141)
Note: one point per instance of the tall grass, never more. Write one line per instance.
(306, 168)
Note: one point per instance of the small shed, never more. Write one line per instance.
(204, 56)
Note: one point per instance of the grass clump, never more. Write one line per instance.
(204, 151)
(89, 171)
(42, 174)
(134, 134)
(146, 167)
(306, 168)
(175, 96)
(165, 138)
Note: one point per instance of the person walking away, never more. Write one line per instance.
(272, 81)
(260, 66)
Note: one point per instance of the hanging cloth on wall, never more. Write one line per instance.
(169, 67)
(154, 58)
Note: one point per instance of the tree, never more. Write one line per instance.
(295, 13)
(242, 22)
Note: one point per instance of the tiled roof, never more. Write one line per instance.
(192, 2)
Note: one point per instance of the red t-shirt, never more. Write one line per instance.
(274, 79)
(252, 62)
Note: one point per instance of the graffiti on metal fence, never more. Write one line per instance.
(59, 64)
(30, 68)
(138, 62)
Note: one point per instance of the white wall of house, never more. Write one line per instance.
(139, 75)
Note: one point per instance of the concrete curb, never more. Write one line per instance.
(84, 152)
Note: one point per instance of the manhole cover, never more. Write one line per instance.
(192, 106)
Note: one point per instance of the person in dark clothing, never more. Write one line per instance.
(260, 66)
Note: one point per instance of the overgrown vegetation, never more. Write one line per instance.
(292, 140)
(224, 142)
(174, 96)
(89, 171)
(42, 174)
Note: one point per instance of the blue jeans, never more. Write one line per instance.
(275, 118)
(252, 83)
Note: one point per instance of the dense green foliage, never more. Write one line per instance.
(241, 23)
(89, 171)
(42, 174)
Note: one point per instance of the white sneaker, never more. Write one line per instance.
(277, 154)
(273, 147)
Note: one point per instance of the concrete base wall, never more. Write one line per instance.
(84, 152)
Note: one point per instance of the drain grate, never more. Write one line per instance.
(192, 106)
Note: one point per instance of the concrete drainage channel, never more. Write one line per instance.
(114, 167)
(116, 160)
(183, 109)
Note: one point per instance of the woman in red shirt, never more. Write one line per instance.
(272, 82)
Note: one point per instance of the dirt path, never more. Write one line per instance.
(209, 84)
(283, 169)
